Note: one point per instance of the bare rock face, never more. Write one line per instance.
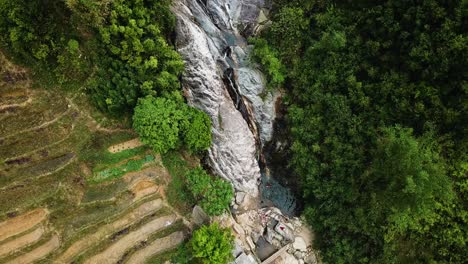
(218, 81)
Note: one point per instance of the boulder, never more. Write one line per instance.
(250, 243)
(237, 251)
(240, 197)
(199, 216)
(299, 255)
(285, 231)
(276, 243)
(300, 244)
(245, 259)
(311, 259)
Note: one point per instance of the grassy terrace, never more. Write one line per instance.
(53, 155)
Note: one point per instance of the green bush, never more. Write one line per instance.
(157, 121)
(211, 245)
(213, 194)
(197, 131)
(165, 123)
(268, 59)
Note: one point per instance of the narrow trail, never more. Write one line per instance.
(23, 104)
(38, 253)
(45, 124)
(116, 251)
(70, 161)
(63, 166)
(107, 230)
(156, 247)
(44, 147)
(22, 241)
(20, 224)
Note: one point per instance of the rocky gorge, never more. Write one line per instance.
(221, 80)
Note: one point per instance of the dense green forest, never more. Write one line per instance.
(120, 50)
(377, 110)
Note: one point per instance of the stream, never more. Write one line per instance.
(221, 80)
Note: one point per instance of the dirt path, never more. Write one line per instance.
(64, 165)
(21, 241)
(38, 253)
(22, 223)
(156, 247)
(134, 143)
(86, 242)
(116, 251)
(46, 146)
(44, 124)
(23, 104)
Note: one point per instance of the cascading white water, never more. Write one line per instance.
(218, 70)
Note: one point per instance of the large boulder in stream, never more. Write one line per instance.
(207, 35)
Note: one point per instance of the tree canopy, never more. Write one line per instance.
(377, 103)
(167, 123)
(134, 57)
(211, 244)
(213, 194)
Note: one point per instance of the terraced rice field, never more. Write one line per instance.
(73, 190)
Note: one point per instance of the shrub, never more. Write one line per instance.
(165, 123)
(211, 245)
(157, 121)
(213, 194)
(268, 59)
(197, 131)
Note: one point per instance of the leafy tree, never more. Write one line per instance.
(157, 122)
(405, 176)
(211, 244)
(268, 59)
(287, 31)
(32, 30)
(214, 195)
(41, 35)
(89, 13)
(167, 123)
(197, 130)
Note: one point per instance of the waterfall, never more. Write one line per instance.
(221, 80)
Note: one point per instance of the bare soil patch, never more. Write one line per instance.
(157, 172)
(156, 247)
(134, 143)
(22, 241)
(22, 223)
(143, 188)
(117, 250)
(39, 252)
(86, 242)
